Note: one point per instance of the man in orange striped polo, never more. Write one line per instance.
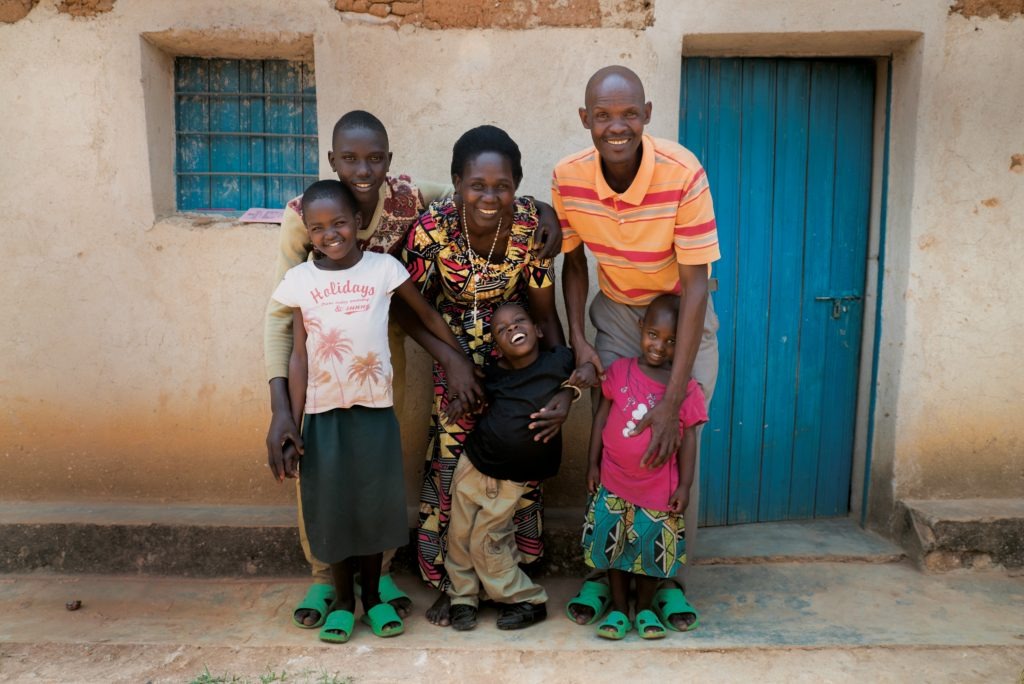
(643, 208)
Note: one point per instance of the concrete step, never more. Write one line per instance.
(261, 541)
(792, 622)
(837, 540)
(943, 535)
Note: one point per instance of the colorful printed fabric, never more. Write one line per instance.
(618, 535)
(436, 258)
(638, 237)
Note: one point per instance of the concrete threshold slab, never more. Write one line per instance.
(968, 510)
(833, 540)
(772, 622)
(944, 535)
(262, 541)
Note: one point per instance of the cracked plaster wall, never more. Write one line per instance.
(519, 14)
(16, 10)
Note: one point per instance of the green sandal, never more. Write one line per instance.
(341, 621)
(321, 598)
(672, 601)
(389, 591)
(646, 619)
(381, 615)
(620, 624)
(593, 595)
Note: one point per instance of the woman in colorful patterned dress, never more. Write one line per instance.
(469, 254)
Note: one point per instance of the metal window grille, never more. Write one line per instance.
(245, 132)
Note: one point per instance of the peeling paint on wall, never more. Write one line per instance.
(525, 14)
(1004, 9)
(85, 8)
(15, 10)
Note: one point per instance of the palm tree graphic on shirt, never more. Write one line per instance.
(366, 370)
(331, 347)
(316, 374)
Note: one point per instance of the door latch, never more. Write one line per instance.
(839, 306)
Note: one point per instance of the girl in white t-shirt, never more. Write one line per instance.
(351, 483)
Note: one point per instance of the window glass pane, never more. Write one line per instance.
(246, 132)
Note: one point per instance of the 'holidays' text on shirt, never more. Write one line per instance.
(337, 288)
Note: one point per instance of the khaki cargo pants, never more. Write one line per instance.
(482, 551)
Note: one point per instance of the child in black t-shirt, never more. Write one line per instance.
(501, 455)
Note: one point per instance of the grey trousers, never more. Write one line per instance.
(618, 336)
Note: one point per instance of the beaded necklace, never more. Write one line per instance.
(473, 256)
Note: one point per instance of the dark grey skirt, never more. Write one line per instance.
(353, 496)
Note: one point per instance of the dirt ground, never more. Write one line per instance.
(786, 622)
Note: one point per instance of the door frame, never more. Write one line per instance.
(871, 333)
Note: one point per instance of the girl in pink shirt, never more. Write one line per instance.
(634, 526)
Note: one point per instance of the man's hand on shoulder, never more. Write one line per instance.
(549, 231)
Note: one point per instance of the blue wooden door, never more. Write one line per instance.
(787, 148)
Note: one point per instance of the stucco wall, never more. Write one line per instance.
(959, 427)
(131, 351)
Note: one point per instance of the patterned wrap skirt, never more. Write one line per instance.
(353, 495)
(618, 535)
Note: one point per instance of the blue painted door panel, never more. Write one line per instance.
(787, 148)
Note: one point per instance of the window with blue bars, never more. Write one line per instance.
(245, 132)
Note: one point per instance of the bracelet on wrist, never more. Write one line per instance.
(577, 392)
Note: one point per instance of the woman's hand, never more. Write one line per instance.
(548, 421)
(584, 376)
(464, 391)
(454, 410)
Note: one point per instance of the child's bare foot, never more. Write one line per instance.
(438, 614)
(593, 597)
(391, 594)
(383, 620)
(581, 614)
(682, 621)
(648, 624)
(307, 617)
(615, 626)
(314, 607)
(402, 606)
(674, 608)
(338, 626)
